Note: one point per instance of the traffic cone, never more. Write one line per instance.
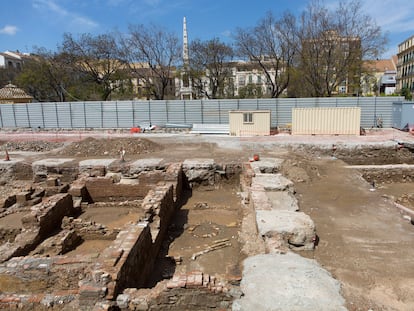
(7, 158)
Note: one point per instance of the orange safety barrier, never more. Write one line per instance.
(135, 130)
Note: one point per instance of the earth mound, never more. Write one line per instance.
(90, 147)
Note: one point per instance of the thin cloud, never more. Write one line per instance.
(149, 9)
(226, 33)
(9, 30)
(75, 20)
(152, 3)
(116, 3)
(390, 15)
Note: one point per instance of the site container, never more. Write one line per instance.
(326, 121)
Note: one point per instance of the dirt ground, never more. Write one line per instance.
(363, 239)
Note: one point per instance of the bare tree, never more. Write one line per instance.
(271, 44)
(333, 45)
(210, 63)
(153, 54)
(98, 58)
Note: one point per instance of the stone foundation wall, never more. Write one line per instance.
(192, 291)
(174, 176)
(44, 219)
(129, 260)
(105, 189)
(48, 215)
(65, 168)
(8, 235)
(388, 175)
(87, 282)
(159, 207)
(89, 230)
(36, 275)
(15, 170)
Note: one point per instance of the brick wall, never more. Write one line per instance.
(129, 260)
(104, 190)
(190, 291)
(44, 218)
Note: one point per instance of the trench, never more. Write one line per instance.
(203, 235)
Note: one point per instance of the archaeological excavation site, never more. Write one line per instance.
(158, 222)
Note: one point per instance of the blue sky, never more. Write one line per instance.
(42, 23)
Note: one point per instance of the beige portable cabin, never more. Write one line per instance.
(326, 121)
(249, 122)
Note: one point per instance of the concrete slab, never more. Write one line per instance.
(260, 200)
(91, 163)
(296, 228)
(52, 162)
(286, 282)
(282, 200)
(145, 165)
(200, 163)
(272, 182)
(11, 162)
(267, 165)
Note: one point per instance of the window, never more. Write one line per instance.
(242, 81)
(247, 117)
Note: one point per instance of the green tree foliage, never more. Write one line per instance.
(251, 91)
(405, 91)
(44, 76)
(8, 75)
(99, 59)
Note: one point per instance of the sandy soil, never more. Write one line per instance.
(364, 241)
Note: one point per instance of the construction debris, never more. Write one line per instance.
(219, 244)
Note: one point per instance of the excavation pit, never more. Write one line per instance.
(149, 263)
(203, 235)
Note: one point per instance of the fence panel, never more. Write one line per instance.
(126, 114)
(50, 115)
(7, 116)
(77, 111)
(22, 116)
(94, 115)
(110, 115)
(36, 115)
(194, 111)
(226, 105)
(211, 111)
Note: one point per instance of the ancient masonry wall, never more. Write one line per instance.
(37, 225)
(89, 283)
(191, 291)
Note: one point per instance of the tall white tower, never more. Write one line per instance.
(185, 43)
(186, 91)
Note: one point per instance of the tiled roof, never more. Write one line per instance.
(11, 91)
(381, 65)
